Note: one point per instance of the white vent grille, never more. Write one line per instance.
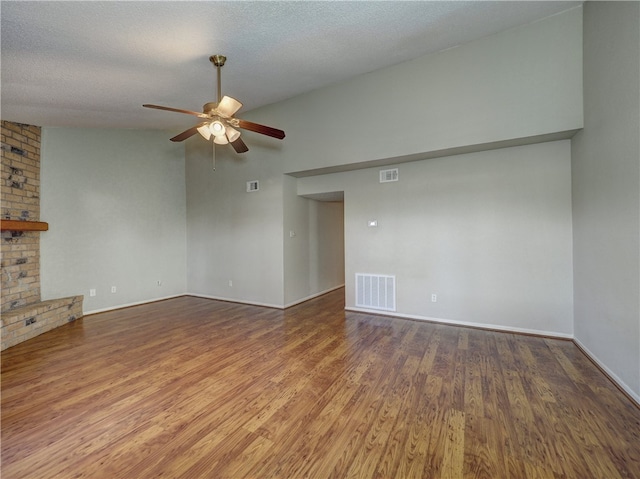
(252, 186)
(376, 291)
(388, 175)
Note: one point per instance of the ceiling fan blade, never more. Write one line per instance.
(262, 129)
(239, 146)
(228, 106)
(177, 110)
(187, 133)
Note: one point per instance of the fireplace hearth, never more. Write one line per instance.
(24, 314)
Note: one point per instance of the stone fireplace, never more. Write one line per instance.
(24, 314)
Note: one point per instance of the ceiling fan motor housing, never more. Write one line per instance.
(209, 107)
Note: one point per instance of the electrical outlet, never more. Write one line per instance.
(113, 289)
(434, 298)
(230, 283)
(92, 292)
(159, 282)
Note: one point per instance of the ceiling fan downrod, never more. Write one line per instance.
(218, 62)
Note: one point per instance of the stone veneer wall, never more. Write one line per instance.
(24, 315)
(20, 201)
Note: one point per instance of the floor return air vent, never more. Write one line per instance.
(376, 291)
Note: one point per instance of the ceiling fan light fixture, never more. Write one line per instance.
(232, 134)
(220, 140)
(205, 131)
(217, 129)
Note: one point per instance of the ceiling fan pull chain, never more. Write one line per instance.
(213, 154)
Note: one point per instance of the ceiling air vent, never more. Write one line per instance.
(388, 175)
(252, 186)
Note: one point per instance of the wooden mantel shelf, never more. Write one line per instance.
(16, 225)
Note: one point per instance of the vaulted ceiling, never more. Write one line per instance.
(94, 63)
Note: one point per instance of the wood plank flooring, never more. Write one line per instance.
(196, 388)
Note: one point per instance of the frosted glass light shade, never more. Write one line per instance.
(204, 131)
(232, 134)
(220, 140)
(217, 128)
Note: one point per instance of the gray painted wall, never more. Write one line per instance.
(233, 235)
(488, 232)
(242, 237)
(606, 192)
(115, 204)
(520, 83)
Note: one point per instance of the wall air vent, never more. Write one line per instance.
(388, 175)
(376, 291)
(252, 186)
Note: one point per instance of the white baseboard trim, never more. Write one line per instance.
(316, 295)
(453, 322)
(235, 300)
(614, 377)
(127, 305)
(217, 298)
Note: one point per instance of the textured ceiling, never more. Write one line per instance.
(94, 63)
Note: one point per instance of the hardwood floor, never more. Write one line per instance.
(195, 388)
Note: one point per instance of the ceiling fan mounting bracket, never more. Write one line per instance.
(218, 60)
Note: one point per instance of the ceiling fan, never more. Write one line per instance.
(219, 122)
